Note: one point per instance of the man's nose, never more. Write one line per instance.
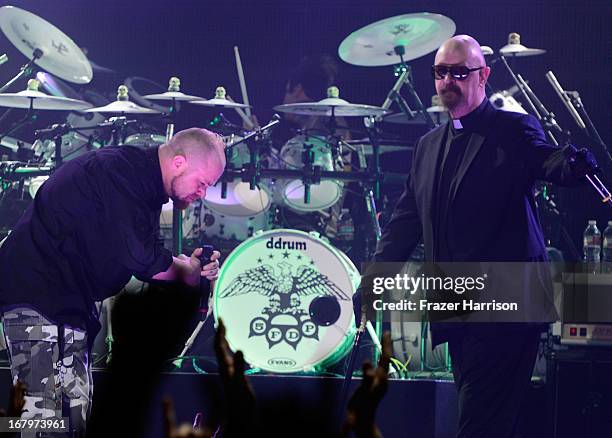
(201, 193)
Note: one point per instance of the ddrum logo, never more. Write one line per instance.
(283, 244)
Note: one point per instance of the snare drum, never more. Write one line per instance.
(322, 195)
(285, 297)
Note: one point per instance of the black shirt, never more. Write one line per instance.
(92, 225)
(456, 141)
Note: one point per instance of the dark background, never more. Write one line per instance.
(194, 40)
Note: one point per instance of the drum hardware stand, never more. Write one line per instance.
(551, 127)
(400, 70)
(573, 104)
(56, 132)
(25, 71)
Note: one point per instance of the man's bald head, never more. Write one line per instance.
(461, 96)
(464, 46)
(190, 162)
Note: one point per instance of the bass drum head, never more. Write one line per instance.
(285, 297)
(240, 201)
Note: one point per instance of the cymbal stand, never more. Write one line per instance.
(400, 70)
(25, 71)
(546, 118)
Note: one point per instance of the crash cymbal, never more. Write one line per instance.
(61, 56)
(37, 100)
(332, 105)
(515, 48)
(378, 44)
(220, 100)
(122, 105)
(439, 115)
(173, 93)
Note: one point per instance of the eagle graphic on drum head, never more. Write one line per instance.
(284, 289)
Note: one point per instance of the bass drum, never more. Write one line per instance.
(322, 195)
(285, 297)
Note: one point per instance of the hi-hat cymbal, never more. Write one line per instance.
(331, 105)
(37, 100)
(122, 106)
(515, 48)
(414, 34)
(61, 56)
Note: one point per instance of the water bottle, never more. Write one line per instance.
(346, 227)
(606, 259)
(592, 247)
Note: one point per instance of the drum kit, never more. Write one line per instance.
(298, 315)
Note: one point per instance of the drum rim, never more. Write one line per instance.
(341, 348)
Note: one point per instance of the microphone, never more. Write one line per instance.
(207, 252)
(565, 99)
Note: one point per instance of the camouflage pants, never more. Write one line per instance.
(58, 375)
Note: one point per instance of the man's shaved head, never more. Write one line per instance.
(462, 96)
(464, 45)
(190, 162)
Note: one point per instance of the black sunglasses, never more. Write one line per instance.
(458, 72)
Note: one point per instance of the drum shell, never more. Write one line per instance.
(323, 195)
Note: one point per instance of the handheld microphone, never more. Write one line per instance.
(207, 252)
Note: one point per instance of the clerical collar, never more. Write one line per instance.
(473, 120)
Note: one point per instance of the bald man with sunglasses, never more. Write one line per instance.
(469, 197)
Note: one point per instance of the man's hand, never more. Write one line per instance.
(361, 415)
(190, 267)
(582, 162)
(185, 430)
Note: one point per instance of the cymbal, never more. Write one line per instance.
(220, 100)
(515, 48)
(37, 100)
(173, 93)
(122, 105)
(414, 34)
(438, 113)
(332, 105)
(61, 56)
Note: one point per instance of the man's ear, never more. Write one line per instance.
(178, 161)
(485, 72)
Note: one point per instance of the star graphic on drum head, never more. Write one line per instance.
(285, 255)
(259, 260)
(299, 256)
(270, 256)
